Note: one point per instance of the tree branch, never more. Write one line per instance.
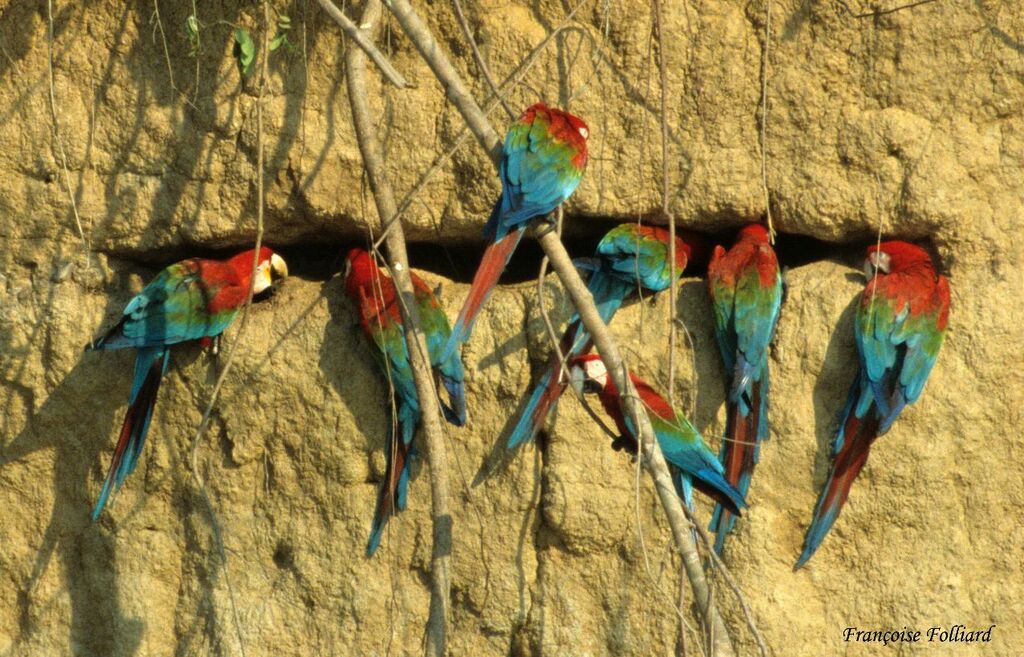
(361, 40)
(373, 161)
(477, 121)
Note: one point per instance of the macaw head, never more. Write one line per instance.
(587, 374)
(359, 268)
(270, 269)
(894, 257)
(753, 232)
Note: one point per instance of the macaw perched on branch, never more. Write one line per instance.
(900, 325)
(630, 259)
(542, 162)
(380, 317)
(195, 299)
(746, 292)
(693, 461)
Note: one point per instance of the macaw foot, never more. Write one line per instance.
(625, 443)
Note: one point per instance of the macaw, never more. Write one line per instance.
(746, 292)
(542, 162)
(381, 319)
(693, 462)
(195, 299)
(630, 259)
(900, 325)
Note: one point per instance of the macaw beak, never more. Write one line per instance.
(278, 267)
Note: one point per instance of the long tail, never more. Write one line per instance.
(609, 293)
(455, 410)
(713, 484)
(684, 489)
(150, 366)
(393, 494)
(543, 398)
(855, 438)
(740, 450)
(494, 261)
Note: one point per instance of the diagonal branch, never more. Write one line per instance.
(373, 160)
(363, 41)
(475, 118)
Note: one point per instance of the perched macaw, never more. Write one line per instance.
(693, 461)
(542, 162)
(195, 299)
(900, 325)
(630, 258)
(746, 292)
(381, 319)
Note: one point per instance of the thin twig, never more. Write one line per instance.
(373, 161)
(54, 115)
(764, 120)
(663, 74)
(882, 12)
(243, 322)
(357, 35)
(481, 64)
(673, 283)
(456, 90)
(719, 565)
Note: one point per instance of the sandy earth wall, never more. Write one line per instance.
(912, 121)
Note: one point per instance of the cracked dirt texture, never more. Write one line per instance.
(912, 120)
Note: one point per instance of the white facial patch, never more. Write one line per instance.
(262, 281)
(879, 260)
(596, 372)
(584, 132)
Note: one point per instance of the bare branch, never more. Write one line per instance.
(361, 40)
(373, 161)
(562, 264)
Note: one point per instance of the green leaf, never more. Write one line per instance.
(192, 33)
(278, 41)
(244, 51)
(192, 27)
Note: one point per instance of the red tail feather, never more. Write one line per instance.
(492, 264)
(858, 435)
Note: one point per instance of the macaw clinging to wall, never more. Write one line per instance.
(684, 448)
(630, 258)
(381, 320)
(542, 162)
(746, 293)
(900, 325)
(195, 299)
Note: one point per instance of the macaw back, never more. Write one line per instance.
(745, 285)
(900, 326)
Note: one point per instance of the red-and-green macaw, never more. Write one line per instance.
(195, 299)
(630, 259)
(693, 461)
(746, 293)
(381, 319)
(542, 162)
(900, 325)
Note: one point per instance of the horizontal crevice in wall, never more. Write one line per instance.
(320, 259)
